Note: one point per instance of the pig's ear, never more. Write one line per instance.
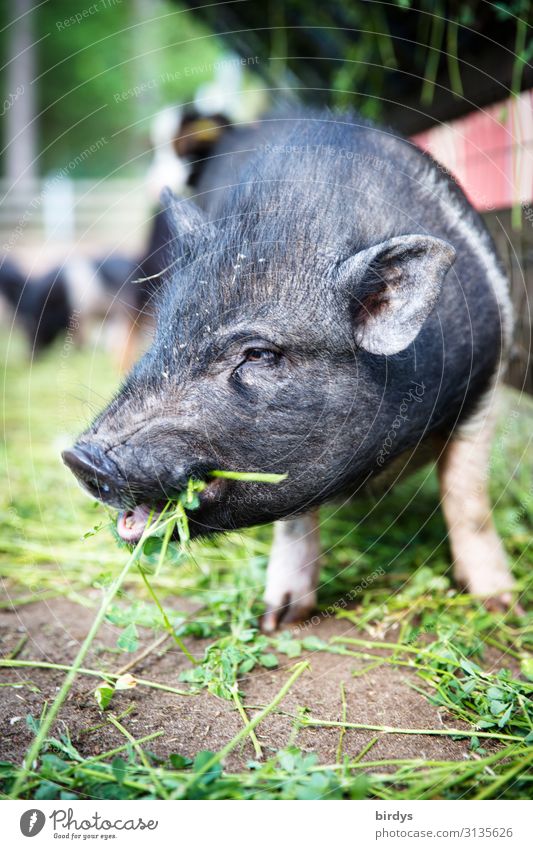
(188, 226)
(393, 287)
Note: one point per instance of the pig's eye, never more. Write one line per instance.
(261, 356)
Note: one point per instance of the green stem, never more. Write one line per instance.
(106, 776)
(420, 650)
(357, 673)
(343, 718)
(363, 751)
(388, 729)
(92, 728)
(14, 603)
(109, 754)
(519, 60)
(242, 713)
(379, 661)
(384, 40)
(46, 724)
(179, 642)
(432, 65)
(491, 789)
(503, 648)
(112, 676)
(44, 728)
(469, 770)
(258, 477)
(62, 667)
(453, 62)
(144, 760)
(253, 723)
(524, 710)
(112, 752)
(164, 547)
(418, 763)
(18, 648)
(144, 654)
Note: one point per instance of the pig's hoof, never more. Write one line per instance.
(503, 603)
(278, 616)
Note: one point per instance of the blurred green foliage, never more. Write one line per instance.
(91, 56)
(407, 62)
(105, 66)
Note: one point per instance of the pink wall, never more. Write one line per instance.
(489, 151)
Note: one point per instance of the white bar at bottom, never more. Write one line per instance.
(269, 824)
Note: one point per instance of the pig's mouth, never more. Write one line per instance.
(132, 523)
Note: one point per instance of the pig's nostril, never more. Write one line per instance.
(96, 486)
(91, 467)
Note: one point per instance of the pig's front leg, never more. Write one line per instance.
(480, 563)
(292, 572)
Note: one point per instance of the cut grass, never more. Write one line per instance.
(442, 636)
(173, 516)
(52, 712)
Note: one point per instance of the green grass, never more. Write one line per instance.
(55, 542)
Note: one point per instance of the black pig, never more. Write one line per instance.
(337, 308)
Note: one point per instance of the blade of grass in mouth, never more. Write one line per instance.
(257, 477)
(188, 499)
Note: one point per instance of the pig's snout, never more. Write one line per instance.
(95, 471)
(137, 476)
(139, 494)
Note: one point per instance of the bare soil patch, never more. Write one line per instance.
(382, 696)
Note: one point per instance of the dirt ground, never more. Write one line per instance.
(382, 696)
